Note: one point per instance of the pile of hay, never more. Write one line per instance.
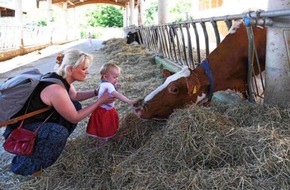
(222, 147)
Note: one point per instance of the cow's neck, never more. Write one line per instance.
(206, 79)
(213, 81)
(206, 67)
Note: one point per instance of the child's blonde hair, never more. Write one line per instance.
(106, 67)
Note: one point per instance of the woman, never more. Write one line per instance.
(66, 112)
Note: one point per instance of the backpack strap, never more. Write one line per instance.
(47, 78)
(25, 116)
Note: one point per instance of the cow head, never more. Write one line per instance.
(178, 90)
(132, 37)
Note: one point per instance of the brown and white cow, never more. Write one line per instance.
(224, 68)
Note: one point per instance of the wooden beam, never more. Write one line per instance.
(76, 3)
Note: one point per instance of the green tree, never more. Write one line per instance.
(105, 16)
(180, 8)
(151, 13)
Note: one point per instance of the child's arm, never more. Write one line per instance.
(123, 98)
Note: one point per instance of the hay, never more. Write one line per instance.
(202, 148)
(240, 146)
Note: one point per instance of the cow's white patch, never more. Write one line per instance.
(236, 25)
(183, 73)
(200, 98)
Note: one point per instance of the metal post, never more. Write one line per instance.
(277, 91)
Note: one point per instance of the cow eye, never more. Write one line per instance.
(173, 89)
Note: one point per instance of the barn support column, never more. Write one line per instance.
(49, 17)
(126, 17)
(163, 11)
(277, 82)
(18, 13)
(140, 12)
(132, 10)
(76, 30)
(19, 21)
(49, 12)
(65, 22)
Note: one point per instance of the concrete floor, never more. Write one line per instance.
(44, 60)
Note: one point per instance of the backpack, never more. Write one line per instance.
(15, 91)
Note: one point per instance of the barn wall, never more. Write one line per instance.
(278, 59)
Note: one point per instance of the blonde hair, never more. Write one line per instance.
(72, 58)
(106, 67)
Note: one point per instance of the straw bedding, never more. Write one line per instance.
(225, 146)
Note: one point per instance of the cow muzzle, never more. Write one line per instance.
(138, 107)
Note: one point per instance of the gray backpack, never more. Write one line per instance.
(15, 91)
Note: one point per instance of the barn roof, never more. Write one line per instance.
(76, 3)
(8, 10)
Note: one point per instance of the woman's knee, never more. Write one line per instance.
(51, 140)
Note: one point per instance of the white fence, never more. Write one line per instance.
(13, 37)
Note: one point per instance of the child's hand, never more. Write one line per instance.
(106, 98)
(132, 102)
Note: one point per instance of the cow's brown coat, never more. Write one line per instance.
(229, 65)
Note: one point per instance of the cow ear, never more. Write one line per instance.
(193, 84)
(166, 73)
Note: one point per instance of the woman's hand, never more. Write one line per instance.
(106, 98)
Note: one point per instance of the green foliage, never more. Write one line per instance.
(105, 16)
(178, 10)
(42, 23)
(151, 13)
(181, 8)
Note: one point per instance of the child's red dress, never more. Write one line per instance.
(104, 121)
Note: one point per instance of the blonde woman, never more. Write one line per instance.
(72, 65)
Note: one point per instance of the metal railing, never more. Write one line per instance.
(188, 42)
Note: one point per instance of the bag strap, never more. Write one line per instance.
(25, 116)
(36, 131)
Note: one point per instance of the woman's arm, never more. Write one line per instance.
(81, 95)
(56, 96)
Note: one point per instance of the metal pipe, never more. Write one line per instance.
(216, 32)
(189, 48)
(250, 65)
(206, 41)
(197, 42)
(183, 45)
